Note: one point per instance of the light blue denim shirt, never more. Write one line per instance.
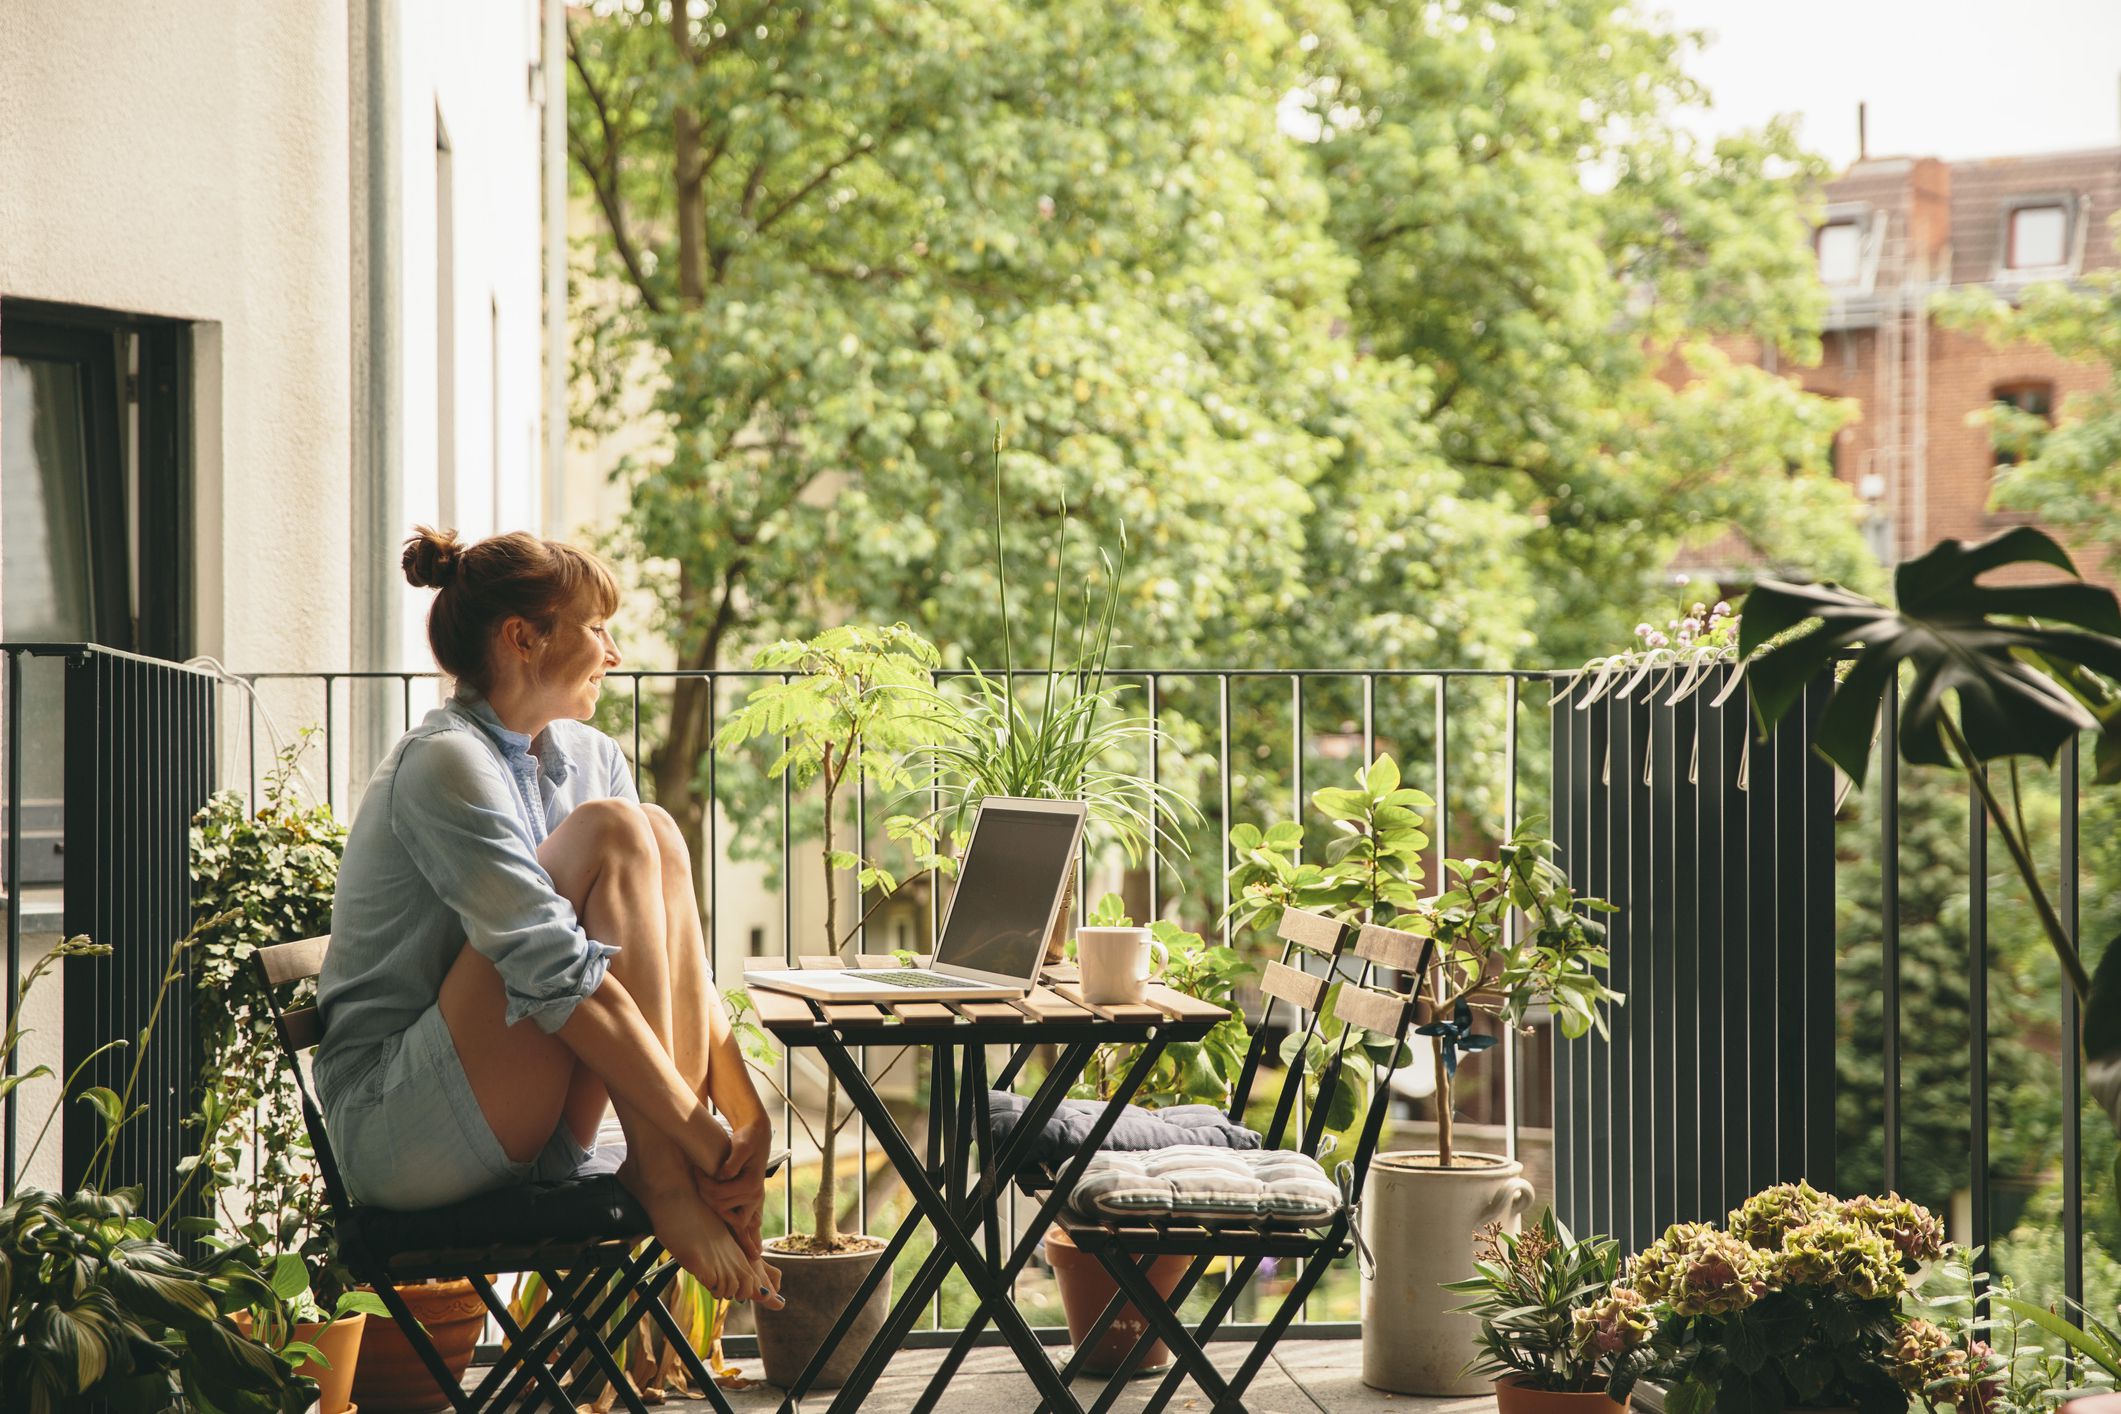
(443, 850)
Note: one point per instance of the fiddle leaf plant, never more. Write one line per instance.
(2028, 666)
(853, 701)
(1371, 869)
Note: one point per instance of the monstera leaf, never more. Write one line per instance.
(2028, 665)
(2023, 660)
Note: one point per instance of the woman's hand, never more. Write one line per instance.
(737, 1189)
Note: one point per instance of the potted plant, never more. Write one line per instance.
(852, 699)
(1534, 1292)
(1074, 746)
(1199, 1072)
(1422, 1208)
(94, 1306)
(1795, 1302)
(263, 877)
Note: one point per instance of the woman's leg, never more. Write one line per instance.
(604, 860)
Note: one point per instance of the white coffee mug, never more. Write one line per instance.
(1115, 963)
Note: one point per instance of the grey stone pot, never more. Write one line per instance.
(817, 1289)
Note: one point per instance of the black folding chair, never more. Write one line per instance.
(1129, 1247)
(587, 1238)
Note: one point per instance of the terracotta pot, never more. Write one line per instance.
(1648, 1398)
(1086, 1288)
(340, 1342)
(1511, 1397)
(391, 1378)
(1418, 1220)
(817, 1289)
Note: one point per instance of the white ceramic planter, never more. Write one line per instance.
(1418, 1221)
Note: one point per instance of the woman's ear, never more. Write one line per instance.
(519, 637)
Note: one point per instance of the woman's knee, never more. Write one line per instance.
(613, 829)
(669, 840)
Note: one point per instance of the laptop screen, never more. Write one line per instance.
(1012, 873)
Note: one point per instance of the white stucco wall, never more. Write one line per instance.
(190, 160)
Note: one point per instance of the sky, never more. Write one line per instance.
(1943, 78)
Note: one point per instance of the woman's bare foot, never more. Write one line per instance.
(695, 1238)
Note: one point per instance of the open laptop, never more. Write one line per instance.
(1009, 891)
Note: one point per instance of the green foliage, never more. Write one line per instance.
(1527, 1288)
(1075, 745)
(267, 877)
(1373, 396)
(2065, 474)
(1202, 1072)
(93, 1305)
(2023, 688)
(1348, 1057)
(1371, 870)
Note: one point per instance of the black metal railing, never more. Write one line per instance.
(1250, 744)
(132, 740)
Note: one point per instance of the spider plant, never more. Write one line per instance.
(1076, 743)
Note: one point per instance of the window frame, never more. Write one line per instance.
(141, 515)
(2006, 393)
(2073, 223)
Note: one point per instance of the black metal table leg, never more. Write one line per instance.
(906, 1310)
(1049, 1208)
(960, 1248)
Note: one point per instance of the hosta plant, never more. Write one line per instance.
(1795, 1302)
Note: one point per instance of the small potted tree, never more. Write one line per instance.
(854, 700)
(1536, 1294)
(1423, 1207)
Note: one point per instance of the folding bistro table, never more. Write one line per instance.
(963, 1206)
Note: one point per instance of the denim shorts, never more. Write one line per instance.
(408, 1132)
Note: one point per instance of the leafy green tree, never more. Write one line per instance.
(1538, 236)
(2068, 476)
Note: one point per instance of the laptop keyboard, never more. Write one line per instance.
(911, 979)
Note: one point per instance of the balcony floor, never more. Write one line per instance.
(1304, 1377)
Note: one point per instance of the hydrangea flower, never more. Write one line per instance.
(1909, 1226)
(1621, 1322)
(1844, 1256)
(1716, 1275)
(1771, 1214)
(1923, 1354)
(1650, 1271)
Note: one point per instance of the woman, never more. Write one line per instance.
(515, 941)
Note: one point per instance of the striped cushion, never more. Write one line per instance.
(1196, 1182)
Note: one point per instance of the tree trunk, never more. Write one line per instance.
(1443, 1105)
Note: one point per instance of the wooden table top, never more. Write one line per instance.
(1056, 1003)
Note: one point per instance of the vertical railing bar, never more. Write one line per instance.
(1889, 922)
(861, 945)
(2072, 1043)
(1296, 806)
(935, 928)
(14, 895)
(250, 697)
(788, 957)
(331, 755)
(1156, 780)
(1442, 767)
(637, 752)
(1977, 1010)
(1509, 917)
(1222, 767)
(405, 699)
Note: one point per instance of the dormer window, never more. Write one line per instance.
(1840, 248)
(2038, 238)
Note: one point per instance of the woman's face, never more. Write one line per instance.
(577, 654)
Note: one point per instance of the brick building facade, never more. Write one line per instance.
(1895, 233)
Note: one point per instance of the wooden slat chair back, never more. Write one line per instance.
(1386, 1013)
(586, 1238)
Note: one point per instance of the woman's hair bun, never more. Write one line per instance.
(430, 558)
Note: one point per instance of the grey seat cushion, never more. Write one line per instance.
(1137, 1129)
(1203, 1184)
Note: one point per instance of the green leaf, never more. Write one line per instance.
(106, 1104)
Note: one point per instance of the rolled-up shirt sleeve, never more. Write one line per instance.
(451, 806)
